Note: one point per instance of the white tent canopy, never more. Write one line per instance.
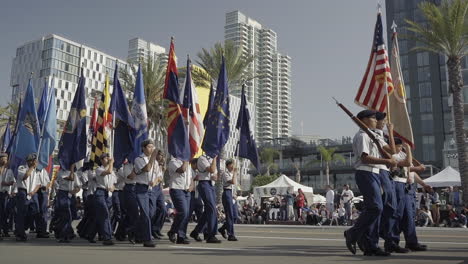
(282, 186)
(447, 177)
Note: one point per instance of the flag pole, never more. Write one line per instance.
(189, 70)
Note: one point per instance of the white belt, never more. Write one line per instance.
(368, 168)
(400, 179)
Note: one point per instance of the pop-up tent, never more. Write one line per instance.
(447, 177)
(282, 186)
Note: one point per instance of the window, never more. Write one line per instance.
(89, 54)
(61, 114)
(59, 85)
(95, 56)
(408, 90)
(67, 67)
(424, 74)
(404, 61)
(428, 148)
(97, 67)
(425, 89)
(423, 58)
(69, 96)
(427, 123)
(101, 58)
(68, 48)
(425, 105)
(66, 85)
(94, 75)
(62, 94)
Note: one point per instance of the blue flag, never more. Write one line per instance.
(27, 137)
(73, 144)
(123, 123)
(42, 108)
(217, 127)
(6, 137)
(49, 133)
(247, 147)
(140, 116)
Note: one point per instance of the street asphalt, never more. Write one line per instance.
(257, 244)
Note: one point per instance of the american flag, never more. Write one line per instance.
(377, 81)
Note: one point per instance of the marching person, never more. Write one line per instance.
(43, 200)
(145, 166)
(206, 167)
(160, 215)
(117, 220)
(229, 176)
(68, 184)
(367, 179)
(180, 183)
(129, 200)
(405, 196)
(28, 184)
(7, 179)
(105, 180)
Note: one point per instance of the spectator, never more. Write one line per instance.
(250, 200)
(290, 206)
(342, 215)
(424, 217)
(346, 197)
(355, 215)
(455, 198)
(300, 201)
(434, 197)
(334, 217)
(324, 214)
(330, 196)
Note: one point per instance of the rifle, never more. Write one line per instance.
(364, 127)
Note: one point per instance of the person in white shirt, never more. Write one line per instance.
(145, 171)
(68, 184)
(7, 179)
(28, 184)
(207, 173)
(347, 196)
(330, 200)
(117, 219)
(179, 184)
(43, 200)
(105, 180)
(228, 177)
(158, 197)
(130, 200)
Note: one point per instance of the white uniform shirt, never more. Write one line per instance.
(66, 185)
(142, 176)
(126, 170)
(30, 183)
(105, 182)
(380, 136)
(91, 181)
(347, 195)
(362, 143)
(83, 178)
(179, 181)
(203, 163)
(400, 156)
(227, 176)
(120, 182)
(6, 177)
(43, 177)
(330, 197)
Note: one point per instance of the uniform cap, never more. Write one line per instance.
(366, 113)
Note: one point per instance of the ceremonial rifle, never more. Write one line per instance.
(364, 127)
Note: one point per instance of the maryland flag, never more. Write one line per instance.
(101, 138)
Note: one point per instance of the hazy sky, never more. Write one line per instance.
(329, 41)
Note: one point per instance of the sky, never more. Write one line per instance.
(329, 41)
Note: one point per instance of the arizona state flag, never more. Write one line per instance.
(100, 143)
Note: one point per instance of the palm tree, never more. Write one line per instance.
(154, 74)
(236, 64)
(267, 157)
(446, 33)
(329, 155)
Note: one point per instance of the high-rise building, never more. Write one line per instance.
(53, 55)
(426, 85)
(270, 92)
(142, 49)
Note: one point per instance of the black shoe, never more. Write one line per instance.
(42, 236)
(156, 236)
(232, 238)
(138, 241)
(159, 233)
(377, 252)
(195, 236)
(182, 241)
(349, 244)
(92, 241)
(131, 239)
(21, 239)
(64, 241)
(361, 244)
(6, 235)
(213, 240)
(108, 242)
(397, 249)
(223, 233)
(149, 244)
(417, 247)
(172, 237)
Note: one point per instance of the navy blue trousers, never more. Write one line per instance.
(102, 214)
(3, 212)
(209, 216)
(160, 215)
(229, 212)
(43, 199)
(131, 209)
(196, 205)
(181, 201)
(116, 211)
(405, 196)
(63, 216)
(369, 186)
(388, 218)
(25, 207)
(144, 221)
